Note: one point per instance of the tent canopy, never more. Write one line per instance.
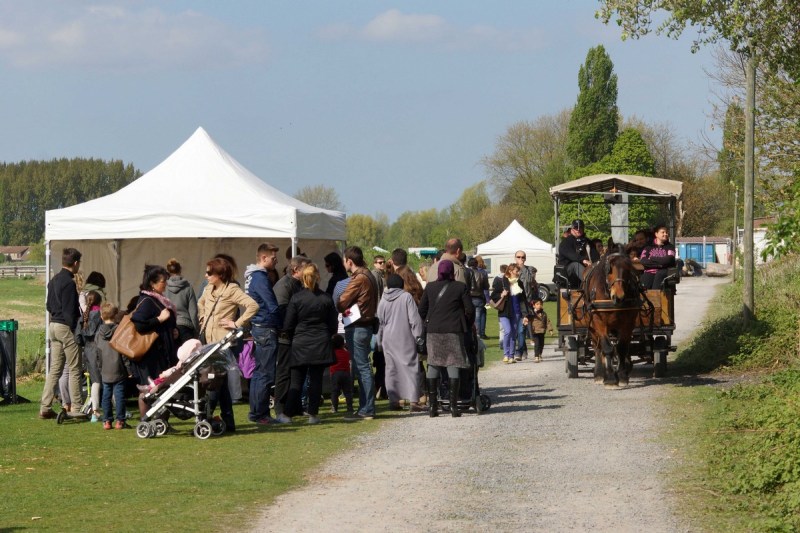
(513, 238)
(197, 203)
(605, 183)
(198, 191)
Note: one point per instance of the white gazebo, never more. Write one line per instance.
(501, 249)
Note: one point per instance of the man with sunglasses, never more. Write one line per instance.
(379, 270)
(527, 275)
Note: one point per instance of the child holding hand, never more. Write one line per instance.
(539, 323)
(114, 368)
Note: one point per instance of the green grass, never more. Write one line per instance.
(740, 444)
(76, 476)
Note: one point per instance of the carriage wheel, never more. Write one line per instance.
(485, 402)
(572, 363)
(160, 427)
(217, 427)
(660, 363)
(143, 429)
(202, 430)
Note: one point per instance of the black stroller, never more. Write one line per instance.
(469, 395)
(186, 395)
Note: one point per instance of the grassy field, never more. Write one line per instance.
(76, 476)
(741, 440)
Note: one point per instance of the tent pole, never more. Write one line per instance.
(294, 246)
(117, 254)
(46, 314)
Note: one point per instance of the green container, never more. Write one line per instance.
(9, 325)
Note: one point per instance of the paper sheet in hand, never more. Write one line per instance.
(353, 314)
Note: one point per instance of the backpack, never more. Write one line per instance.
(476, 278)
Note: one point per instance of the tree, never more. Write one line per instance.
(762, 30)
(366, 231)
(593, 124)
(529, 159)
(320, 196)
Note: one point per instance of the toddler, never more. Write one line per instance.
(114, 369)
(341, 379)
(539, 324)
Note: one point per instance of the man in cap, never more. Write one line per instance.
(576, 252)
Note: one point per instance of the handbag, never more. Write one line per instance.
(500, 304)
(130, 343)
(247, 362)
(422, 340)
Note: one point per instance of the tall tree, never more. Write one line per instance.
(529, 159)
(367, 231)
(320, 196)
(593, 124)
(763, 30)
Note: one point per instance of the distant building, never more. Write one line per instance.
(15, 253)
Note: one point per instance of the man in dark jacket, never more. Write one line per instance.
(264, 329)
(576, 252)
(286, 287)
(62, 304)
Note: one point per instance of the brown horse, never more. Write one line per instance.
(612, 300)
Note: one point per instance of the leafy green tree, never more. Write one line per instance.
(594, 121)
(366, 231)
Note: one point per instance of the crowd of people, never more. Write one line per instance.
(364, 319)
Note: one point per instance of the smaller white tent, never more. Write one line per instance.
(501, 250)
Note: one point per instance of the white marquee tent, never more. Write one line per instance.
(198, 202)
(501, 249)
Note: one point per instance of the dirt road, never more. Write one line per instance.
(552, 454)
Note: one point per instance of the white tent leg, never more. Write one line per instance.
(46, 314)
(294, 246)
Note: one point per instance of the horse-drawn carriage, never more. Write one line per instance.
(606, 318)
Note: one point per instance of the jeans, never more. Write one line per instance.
(509, 338)
(358, 340)
(118, 389)
(480, 315)
(521, 347)
(266, 350)
(63, 351)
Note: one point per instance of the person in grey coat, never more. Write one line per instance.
(400, 325)
(180, 292)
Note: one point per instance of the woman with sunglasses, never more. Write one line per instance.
(217, 310)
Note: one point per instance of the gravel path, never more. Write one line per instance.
(553, 454)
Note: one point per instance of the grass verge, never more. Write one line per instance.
(739, 440)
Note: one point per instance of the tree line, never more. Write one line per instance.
(29, 188)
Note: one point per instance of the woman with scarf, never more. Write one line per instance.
(509, 288)
(449, 313)
(154, 312)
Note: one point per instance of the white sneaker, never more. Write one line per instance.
(283, 419)
(313, 419)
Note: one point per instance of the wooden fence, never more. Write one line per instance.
(21, 271)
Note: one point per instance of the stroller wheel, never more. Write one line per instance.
(217, 427)
(160, 427)
(485, 402)
(143, 429)
(202, 430)
(61, 416)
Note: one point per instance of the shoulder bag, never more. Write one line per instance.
(501, 303)
(130, 343)
(422, 340)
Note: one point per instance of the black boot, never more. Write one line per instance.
(454, 389)
(433, 395)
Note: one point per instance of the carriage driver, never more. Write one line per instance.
(576, 252)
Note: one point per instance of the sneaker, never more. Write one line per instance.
(46, 415)
(266, 421)
(352, 417)
(283, 419)
(505, 359)
(312, 420)
(517, 359)
(97, 416)
(107, 424)
(120, 424)
(512, 360)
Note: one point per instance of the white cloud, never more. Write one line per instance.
(109, 37)
(393, 26)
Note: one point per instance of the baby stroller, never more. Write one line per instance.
(185, 397)
(469, 395)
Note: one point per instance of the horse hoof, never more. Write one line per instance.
(598, 381)
(623, 385)
(610, 386)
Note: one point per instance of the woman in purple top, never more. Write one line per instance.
(656, 257)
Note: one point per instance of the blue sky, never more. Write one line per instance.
(394, 104)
